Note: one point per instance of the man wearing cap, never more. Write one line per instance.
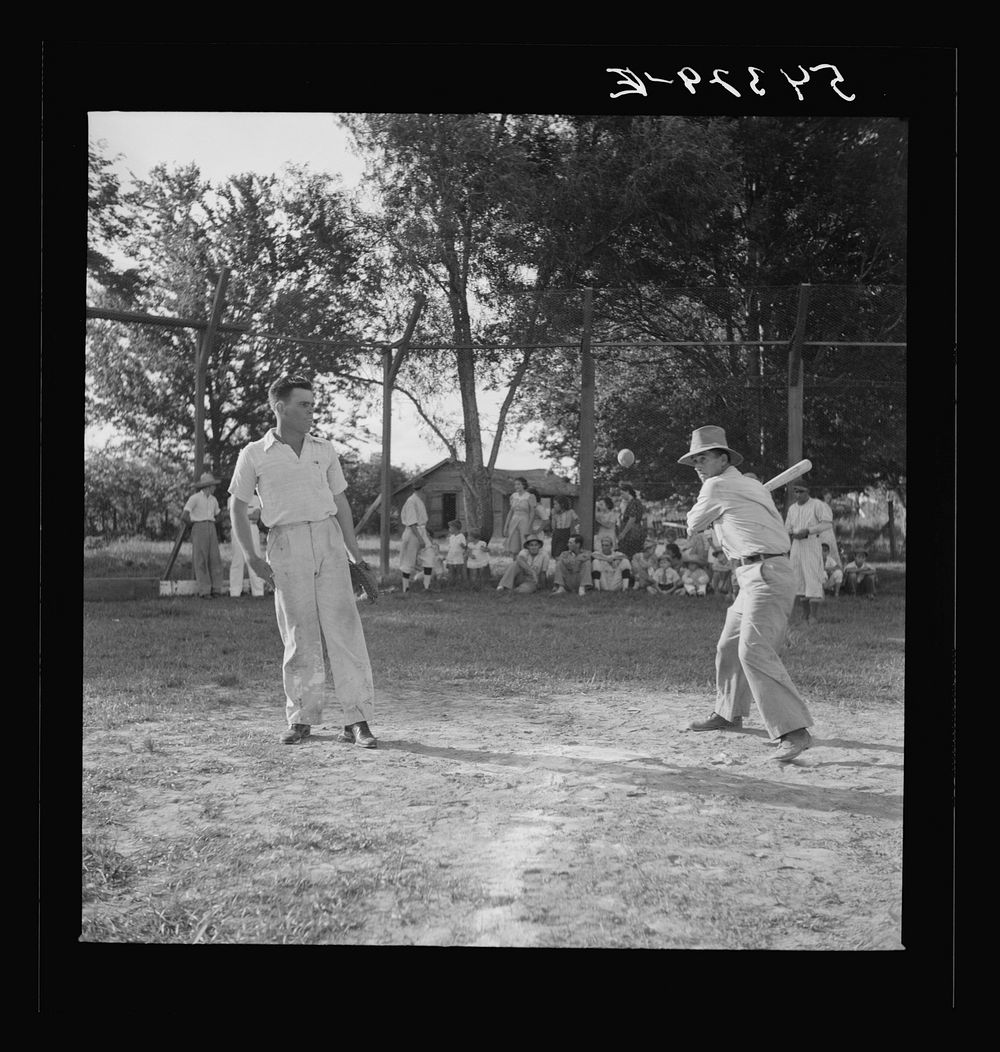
(806, 520)
(753, 536)
(416, 539)
(303, 499)
(202, 512)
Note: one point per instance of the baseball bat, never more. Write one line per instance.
(788, 475)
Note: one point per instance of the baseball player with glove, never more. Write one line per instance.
(303, 499)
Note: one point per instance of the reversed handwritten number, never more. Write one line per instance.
(637, 86)
(716, 79)
(689, 81)
(838, 79)
(796, 84)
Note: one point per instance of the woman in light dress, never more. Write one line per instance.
(519, 518)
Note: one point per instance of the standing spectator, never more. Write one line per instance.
(834, 572)
(415, 536)
(859, 576)
(610, 569)
(529, 571)
(644, 564)
(519, 518)
(807, 518)
(540, 515)
(632, 532)
(564, 520)
(478, 562)
(572, 568)
(606, 518)
(202, 512)
(239, 561)
(454, 560)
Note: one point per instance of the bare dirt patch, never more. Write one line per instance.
(571, 820)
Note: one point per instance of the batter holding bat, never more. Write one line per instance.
(303, 496)
(754, 537)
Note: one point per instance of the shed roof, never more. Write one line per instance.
(546, 482)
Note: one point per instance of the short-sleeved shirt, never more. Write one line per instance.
(291, 488)
(414, 511)
(201, 507)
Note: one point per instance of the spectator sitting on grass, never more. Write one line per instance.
(693, 575)
(859, 576)
(563, 520)
(721, 571)
(478, 563)
(572, 568)
(610, 569)
(834, 572)
(666, 579)
(455, 559)
(529, 571)
(644, 564)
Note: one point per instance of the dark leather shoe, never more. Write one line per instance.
(295, 733)
(358, 734)
(716, 723)
(791, 744)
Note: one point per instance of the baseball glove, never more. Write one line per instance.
(363, 578)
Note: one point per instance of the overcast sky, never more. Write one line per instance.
(224, 144)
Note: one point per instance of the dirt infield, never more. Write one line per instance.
(576, 820)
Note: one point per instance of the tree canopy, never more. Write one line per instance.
(688, 229)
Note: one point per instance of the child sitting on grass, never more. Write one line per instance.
(666, 579)
(694, 576)
(834, 572)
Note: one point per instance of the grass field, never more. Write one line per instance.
(194, 828)
(140, 655)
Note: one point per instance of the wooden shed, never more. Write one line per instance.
(444, 493)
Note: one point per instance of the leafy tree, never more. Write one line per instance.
(490, 212)
(129, 493)
(107, 226)
(298, 268)
(819, 201)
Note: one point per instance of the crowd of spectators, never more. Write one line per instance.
(547, 554)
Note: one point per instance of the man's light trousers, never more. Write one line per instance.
(747, 666)
(315, 604)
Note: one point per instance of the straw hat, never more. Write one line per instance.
(705, 438)
(533, 539)
(207, 479)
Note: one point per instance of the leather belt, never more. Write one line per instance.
(761, 555)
